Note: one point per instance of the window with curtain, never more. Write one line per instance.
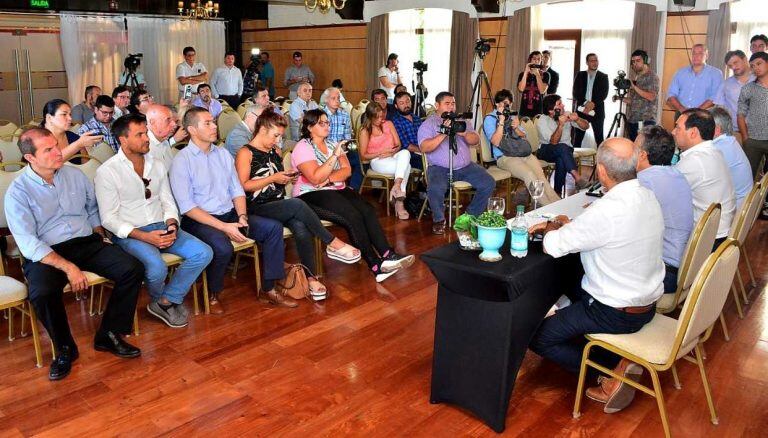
(432, 47)
(751, 18)
(609, 39)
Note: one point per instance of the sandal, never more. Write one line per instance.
(402, 213)
(396, 194)
(317, 293)
(346, 254)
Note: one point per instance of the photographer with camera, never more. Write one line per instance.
(533, 83)
(509, 145)
(389, 77)
(643, 97)
(131, 77)
(227, 81)
(434, 140)
(190, 72)
(555, 136)
(590, 89)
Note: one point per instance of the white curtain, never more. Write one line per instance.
(93, 49)
(162, 40)
(537, 32)
(751, 18)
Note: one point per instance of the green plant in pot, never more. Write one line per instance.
(466, 230)
(491, 232)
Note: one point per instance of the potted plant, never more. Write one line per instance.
(491, 232)
(466, 230)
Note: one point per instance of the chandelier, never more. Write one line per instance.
(199, 10)
(324, 5)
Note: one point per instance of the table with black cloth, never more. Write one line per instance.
(487, 314)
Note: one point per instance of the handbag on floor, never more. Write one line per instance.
(295, 284)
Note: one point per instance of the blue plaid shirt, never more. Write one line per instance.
(341, 125)
(407, 130)
(98, 128)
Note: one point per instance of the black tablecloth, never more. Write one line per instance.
(486, 316)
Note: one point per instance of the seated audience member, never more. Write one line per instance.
(205, 100)
(141, 100)
(735, 158)
(163, 134)
(379, 96)
(209, 195)
(341, 123)
(299, 106)
(380, 144)
(620, 240)
(122, 97)
(260, 169)
(753, 112)
(136, 205)
(435, 145)
(104, 109)
(336, 83)
(323, 168)
(407, 126)
(511, 149)
(656, 147)
(555, 138)
(400, 88)
(242, 133)
(704, 168)
(261, 97)
(83, 111)
(52, 213)
(57, 119)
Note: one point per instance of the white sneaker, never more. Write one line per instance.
(384, 275)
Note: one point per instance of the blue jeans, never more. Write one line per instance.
(562, 155)
(356, 179)
(633, 127)
(195, 253)
(437, 184)
(560, 337)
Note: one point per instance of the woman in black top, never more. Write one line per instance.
(260, 169)
(532, 83)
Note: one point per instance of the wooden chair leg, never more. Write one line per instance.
(319, 256)
(660, 401)
(423, 209)
(580, 385)
(386, 196)
(256, 268)
(737, 300)
(23, 330)
(9, 312)
(752, 281)
(35, 335)
(237, 264)
(136, 323)
(705, 383)
(101, 298)
(195, 304)
(741, 285)
(206, 298)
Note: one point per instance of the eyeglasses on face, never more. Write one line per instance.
(146, 98)
(324, 123)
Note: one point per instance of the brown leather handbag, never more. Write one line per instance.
(295, 284)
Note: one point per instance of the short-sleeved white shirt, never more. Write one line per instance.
(184, 70)
(392, 76)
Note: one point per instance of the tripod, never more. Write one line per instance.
(130, 77)
(452, 150)
(616, 124)
(477, 92)
(419, 95)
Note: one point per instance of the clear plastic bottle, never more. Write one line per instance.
(519, 239)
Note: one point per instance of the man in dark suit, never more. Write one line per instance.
(554, 77)
(590, 89)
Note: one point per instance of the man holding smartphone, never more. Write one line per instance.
(137, 206)
(296, 75)
(190, 72)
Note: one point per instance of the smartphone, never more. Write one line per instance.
(243, 231)
(187, 92)
(167, 232)
(292, 173)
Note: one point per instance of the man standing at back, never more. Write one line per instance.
(696, 85)
(190, 72)
(753, 112)
(554, 77)
(590, 89)
(227, 81)
(728, 94)
(297, 74)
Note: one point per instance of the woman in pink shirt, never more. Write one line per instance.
(380, 144)
(323, 168)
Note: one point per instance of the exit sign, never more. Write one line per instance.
(40, 4)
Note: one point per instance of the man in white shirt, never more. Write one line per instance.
(136, 205)
(227, 81)
(554, 128)
(190, 72)
(162, 132)
(620, 239)
(704, 168)
(389, 77)
(300, 105)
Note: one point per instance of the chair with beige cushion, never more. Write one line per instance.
(459, 188)
(532, 134)
(11, 154)
(510, 183)
(226, 122)
(347, 106)
(660, 343)
(89, 168)
(101, 152)
(6, 178)
(741, 226)
(13, 296)
(7, 130)
(763, 183)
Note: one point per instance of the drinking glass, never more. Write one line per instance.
(497, 204)
(536, 188)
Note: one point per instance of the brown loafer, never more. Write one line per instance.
(616, 394)
(438, 227)
(279, 300)
(217, 308)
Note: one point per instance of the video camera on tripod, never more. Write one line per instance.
(483, 46)
(133, 61)
(621, 84)
(456, 126)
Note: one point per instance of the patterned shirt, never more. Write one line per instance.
(753, 105)
(341, 125)
(407, 130)
(264, 164)
(99, 128)
(641, 109)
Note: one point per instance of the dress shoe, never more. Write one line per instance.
(279, 300)
(114, 343)
(216, 306)
(438, 227)
(62, 365)
(616, 394)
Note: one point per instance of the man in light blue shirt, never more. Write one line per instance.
(300, 105)
(205, 100)
(696, 85)
(212, 202)
(654, 171)
(728, 94)
(735, 158)
(53, 215)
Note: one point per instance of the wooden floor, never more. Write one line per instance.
(357, 365)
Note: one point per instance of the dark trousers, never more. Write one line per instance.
(349, 210)
(268, 233)
(560, 337)
(597, 123)
(719, 241)
(562, 155)
(89, 253)
(670, 279)
(356, 179)
(233, 101)
(303, 223)
(633, 128)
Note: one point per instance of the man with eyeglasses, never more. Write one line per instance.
(296, 75)
(300, 105)
(136, 205)
(104, 109)
(122, 97)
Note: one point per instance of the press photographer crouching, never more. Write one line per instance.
(555, 136)
(510, 147)
(434, 142)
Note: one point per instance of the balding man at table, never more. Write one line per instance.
(620, 240)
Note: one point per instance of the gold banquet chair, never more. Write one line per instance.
(502, 177)
(226, 122)
(660, 343)
(532, 134)
(760, 197)
(89, 168)
(13, 296)
(740, 228)
(459, 188)
(7, 130)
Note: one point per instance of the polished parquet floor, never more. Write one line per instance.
(357, 365)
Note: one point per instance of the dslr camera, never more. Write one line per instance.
(456, 125)
(483, 46)
(539, 66)
(621, 82)
(420, 66)
(133, 61)
(506, 112)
